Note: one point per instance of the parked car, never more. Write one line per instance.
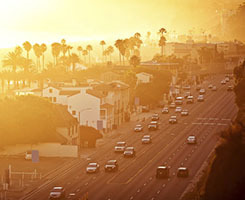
(214, 88)
(129, 152)
(227, 79)
(162, 172)
(146, 139)
(111, 166)
(173, 120)
(57, 193)
(184, 112)
(210, 86)
(223, 82)
(202, 91)
(138, 128)
(230, 88)
(182, 172)
(120, 147)
(92, 168)
(165, 110)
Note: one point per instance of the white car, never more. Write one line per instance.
(93, 168)
(57, 193)
(172, 105)
(146, 139)
(129, 152)
(173, 120)
(223, 82)
(210, 86)
(120, 147)
(214, 88)
(202, 91)
(184, 112)
(178, 109)
(191, 139)
(138, 128)
(165, 110)
(227, 79)
(190, 99)
(200, 98)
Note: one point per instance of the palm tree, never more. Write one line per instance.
(102, 43)
(64, 46)
(80, 49)
(110, 50)
(85, 53)
(134, 60)
(162, 40)
(137, 35)
(38, 52)
(13, 59)
(89, 48)
(56, 48)
(43, 49)
(27, 46)
(68, 49)
(118, 45)
(74, 59)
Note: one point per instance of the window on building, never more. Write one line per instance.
(50, 90)
(102, 114)
(73, 112)
(54, 99)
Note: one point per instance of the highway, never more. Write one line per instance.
(136, 176)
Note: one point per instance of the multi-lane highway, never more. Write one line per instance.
(135, 178)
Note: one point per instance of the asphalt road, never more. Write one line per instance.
(136, 176)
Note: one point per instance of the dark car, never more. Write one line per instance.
(182, 172)
(57, 193)
(111, 166)
(230, 88)
(162, 172)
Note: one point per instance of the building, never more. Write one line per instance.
(144, 77)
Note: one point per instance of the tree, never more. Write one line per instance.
(43, 49)
(110, 50)
(102, 43)
(89, 48)
(63, 47)
(74, 59)
(162, 40)
(69, 48)
(80, 49)
(13, 59)
(38, 52)
(134, 61)
(56, 48)
(85, 53)
(27, 46)
(118, 44)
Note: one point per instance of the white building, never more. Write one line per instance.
(144, 77)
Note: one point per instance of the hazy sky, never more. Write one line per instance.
(76, 20)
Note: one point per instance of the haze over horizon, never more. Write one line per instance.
(81, 20)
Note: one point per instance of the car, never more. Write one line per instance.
(210, 86)
(153, 126)
(129, 152)
(227, 79)
(191, 139)
(182, 172)
(190, 99)
(173, 120)
(178, 102)
(200, 98)
(28, 155)
(230, 88)
(57, 193)
(186, 87)
(202, 91)
(145, 109)
(138, 128)
(184, 112)
(162, 172)
(146, 139)
(155, 117)
(92, 168)
(214, 88)
(223, 82)
(120, 147)
(172, 105)
(111, 166)
(198, 87)
(178, 109)
(187, 94)
(165, 110)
